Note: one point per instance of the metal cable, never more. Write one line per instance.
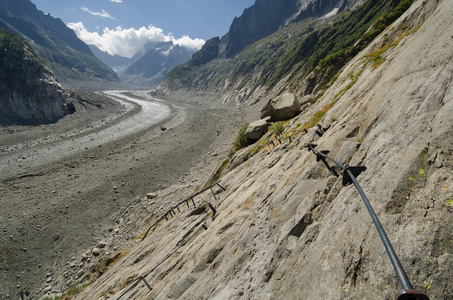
(349, 176)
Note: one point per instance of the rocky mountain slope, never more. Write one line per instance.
(286, 228)
(28, 89)
(266, 17)
(69, 58)
(301, 57)
(116, 62)
(151, 68)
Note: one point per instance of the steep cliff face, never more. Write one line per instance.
(266, 17)
(286, 228)
(28, 89)
(261, 20)
(59, 46)
(256, 22)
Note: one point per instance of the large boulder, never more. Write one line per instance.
(307, 99)
(281, 108)
(256, 129)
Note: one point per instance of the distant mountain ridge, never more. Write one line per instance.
(146, 68)
(116, 62)
(152, 67)
(68, 57)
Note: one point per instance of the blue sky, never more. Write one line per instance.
(122, 26)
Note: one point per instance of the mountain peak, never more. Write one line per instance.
(152, 68)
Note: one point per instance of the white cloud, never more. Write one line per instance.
(103, 14)
(186, 41)
(128, 42)
(117, 1)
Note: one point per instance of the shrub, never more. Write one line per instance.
(277, 128)
(241, 140)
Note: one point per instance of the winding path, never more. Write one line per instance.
(152, 111)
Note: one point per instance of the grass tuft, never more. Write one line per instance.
(241, 140)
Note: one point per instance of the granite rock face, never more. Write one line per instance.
(281, 108)
(267, 16)
(256, 129)
(69, 58)
(28, 89)
(286, 228)
(262, 19)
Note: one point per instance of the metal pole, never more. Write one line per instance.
(407, 293)
(213, 194)
(221, 187)
(404, 281)
(146, 282)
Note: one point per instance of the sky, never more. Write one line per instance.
(123, 27)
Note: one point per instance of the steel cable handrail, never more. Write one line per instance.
(137, 281)
(171, 211)
(349, 176)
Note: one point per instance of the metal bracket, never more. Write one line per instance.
(146, 282)
(311, 146)
(318, 133)
(320, 157)
(356, 171)
(214, 211)
(411, 295)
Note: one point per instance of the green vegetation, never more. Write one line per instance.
(56, 45)
(241, 140)
(318, 116)
(257, 148)
(11, 46)
(376, 57)
(217, 174)
(298, 49)
(70, 293)
(277, 128)
(354, 76)
(182, 71)
(13, 51)
(301, 48)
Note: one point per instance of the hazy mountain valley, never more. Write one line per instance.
(85, 175)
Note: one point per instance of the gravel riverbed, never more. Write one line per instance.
(64, 187)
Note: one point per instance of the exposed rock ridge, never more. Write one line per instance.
(267, 16)
(262, 19)
(285, 227)
(69, 58)
(28, 89)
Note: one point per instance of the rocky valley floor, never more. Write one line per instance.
(59, 209)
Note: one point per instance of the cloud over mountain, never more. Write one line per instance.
(129, 41)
